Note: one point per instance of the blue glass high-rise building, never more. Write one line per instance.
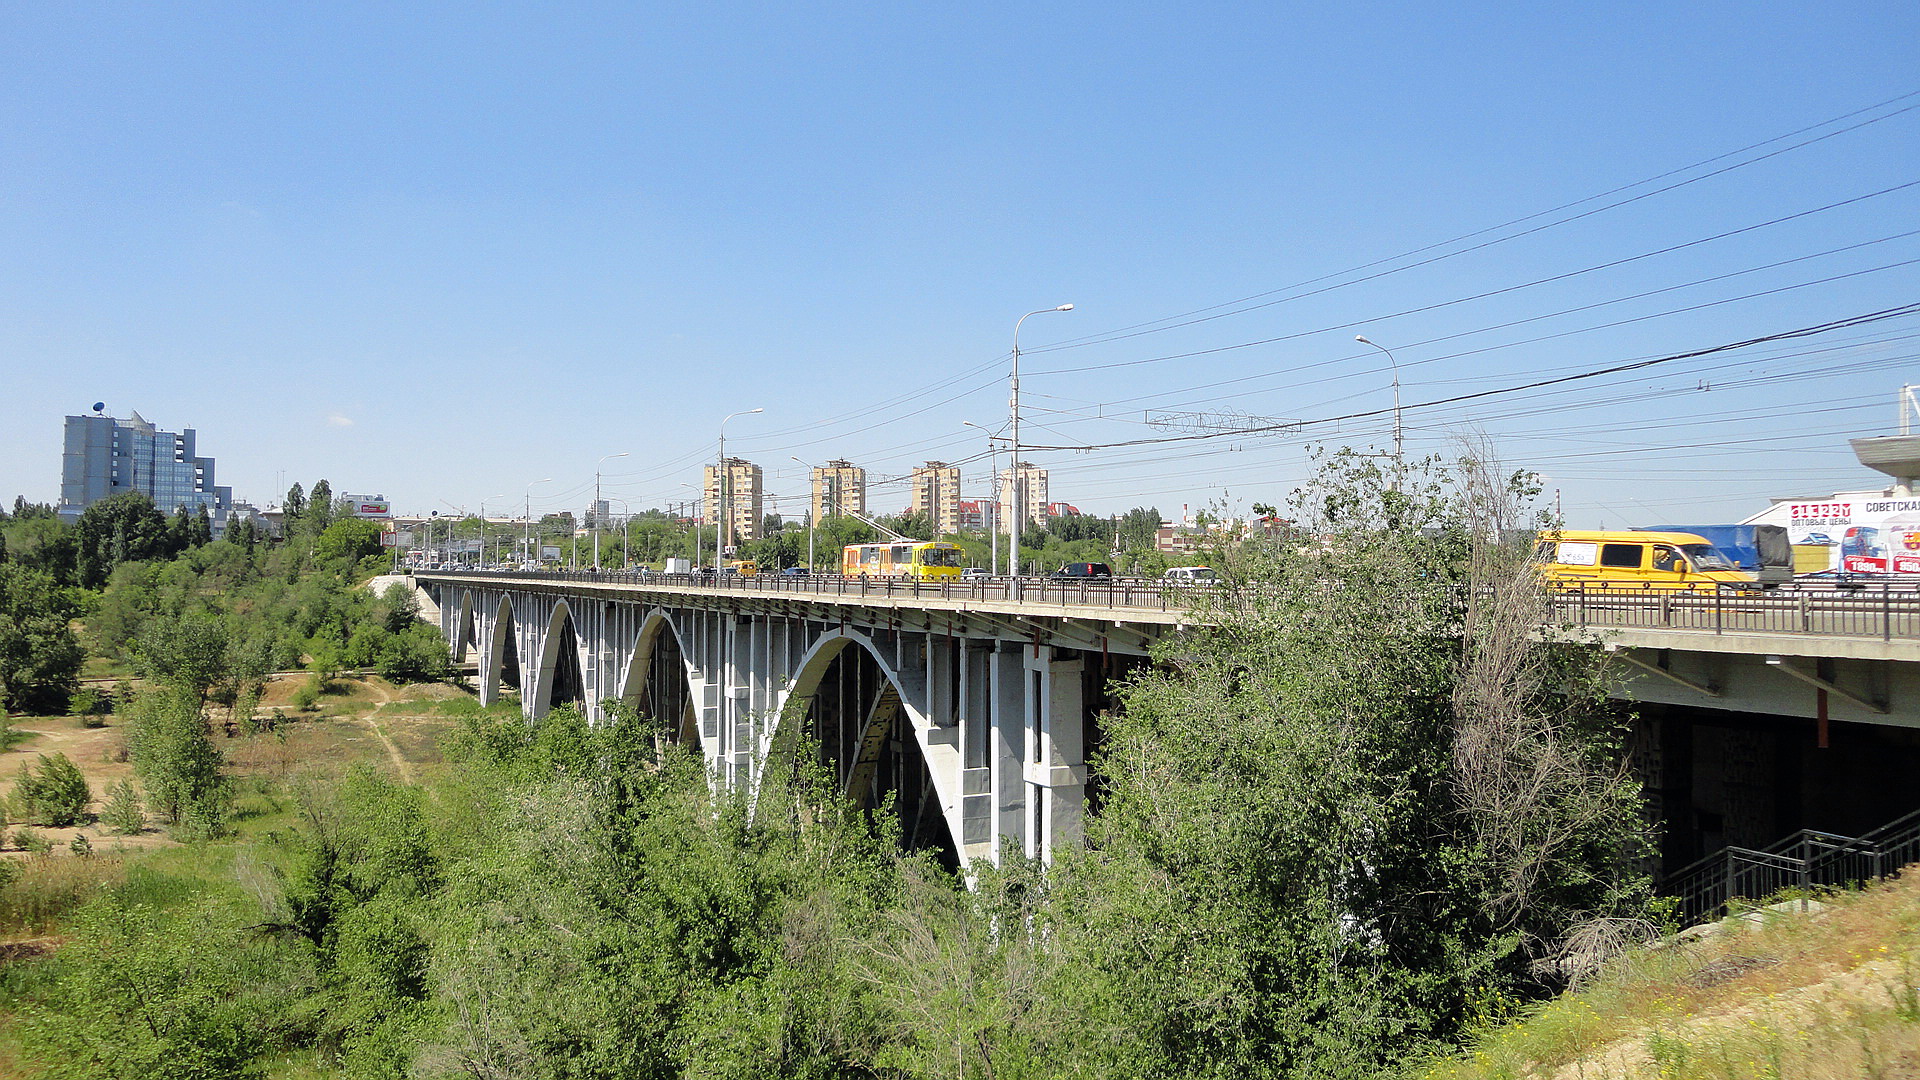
(105, 455)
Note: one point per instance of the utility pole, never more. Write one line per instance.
(1018, 517)
(526, 519)
(1399, 458)
(596, 505)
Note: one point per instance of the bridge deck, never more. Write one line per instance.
(1878, 621)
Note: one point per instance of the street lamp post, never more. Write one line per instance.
(483, 524)
(526, 519)
(723, 498)
(596, 506)
(833, 491)
(1017, 518)
(1398, 458)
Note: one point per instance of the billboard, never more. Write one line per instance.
(369, 506)
(1871, 534)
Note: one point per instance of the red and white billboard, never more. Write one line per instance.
(1864, 534)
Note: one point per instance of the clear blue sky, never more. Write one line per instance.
(441, 251)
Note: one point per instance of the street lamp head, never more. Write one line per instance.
(751, 411)
(1362, 339)
(1064, 307)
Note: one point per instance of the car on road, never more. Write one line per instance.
(975, 572)
(1083, 570)
(793, 571)
(1191, 575)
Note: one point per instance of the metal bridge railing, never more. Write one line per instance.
(1805, 860)
(1886, 610)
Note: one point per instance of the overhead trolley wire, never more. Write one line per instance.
(1151, 327)
(1785, 335)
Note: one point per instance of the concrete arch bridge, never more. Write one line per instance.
(973, 712)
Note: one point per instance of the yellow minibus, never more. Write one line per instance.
(1577, 558)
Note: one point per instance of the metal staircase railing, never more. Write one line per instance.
(1804, 860)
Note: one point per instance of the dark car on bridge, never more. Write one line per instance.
(1083, 570)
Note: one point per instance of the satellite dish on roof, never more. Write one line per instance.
(99, 406)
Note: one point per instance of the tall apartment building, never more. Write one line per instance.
(742, 495)
(105, 455)
(1030, 504)
(936, 493)
(839, 488)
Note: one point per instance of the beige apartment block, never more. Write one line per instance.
(936, 493)
(741, 497)
(839, 489)
(1031, 500)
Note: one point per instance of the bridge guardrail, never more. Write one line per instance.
(1889, 611)
(1885, 610)
(1115, 593)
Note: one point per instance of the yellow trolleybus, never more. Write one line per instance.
(901, 559)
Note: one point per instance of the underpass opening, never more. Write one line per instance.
(864, 734)
(1716, 778)
(657, 685)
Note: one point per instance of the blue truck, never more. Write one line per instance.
(1762, 550)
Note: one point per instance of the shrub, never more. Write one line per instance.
(307, 694)
(81, 846)
(31, 841)
(53, 793)
(87, 701)
(122, 814)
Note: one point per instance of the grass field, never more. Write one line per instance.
(360, 720)
(1823, 991)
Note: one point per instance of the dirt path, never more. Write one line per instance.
(400, 765)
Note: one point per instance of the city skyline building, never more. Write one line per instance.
(742, 494)
(104, 455)
(1030, 507)
(936, 493)
(839, 489)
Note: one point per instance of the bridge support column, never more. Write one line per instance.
(974, 709)
(1055, 771)
(1009, 698)
(486, 620)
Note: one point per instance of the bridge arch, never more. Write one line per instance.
(501, 662)
(463, 627)
(557, 676)
(658, 680)
(848, 704)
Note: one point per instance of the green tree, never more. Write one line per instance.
(177, 764)
(39, 656)
(1348, 805)
(293, 511)
(190, 654)
(119, 528)
(53, 793)
(320, 509)
(351, 539)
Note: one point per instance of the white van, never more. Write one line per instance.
(1191, 575)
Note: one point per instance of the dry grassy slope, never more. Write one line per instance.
(1825, 993)
(361, 719)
